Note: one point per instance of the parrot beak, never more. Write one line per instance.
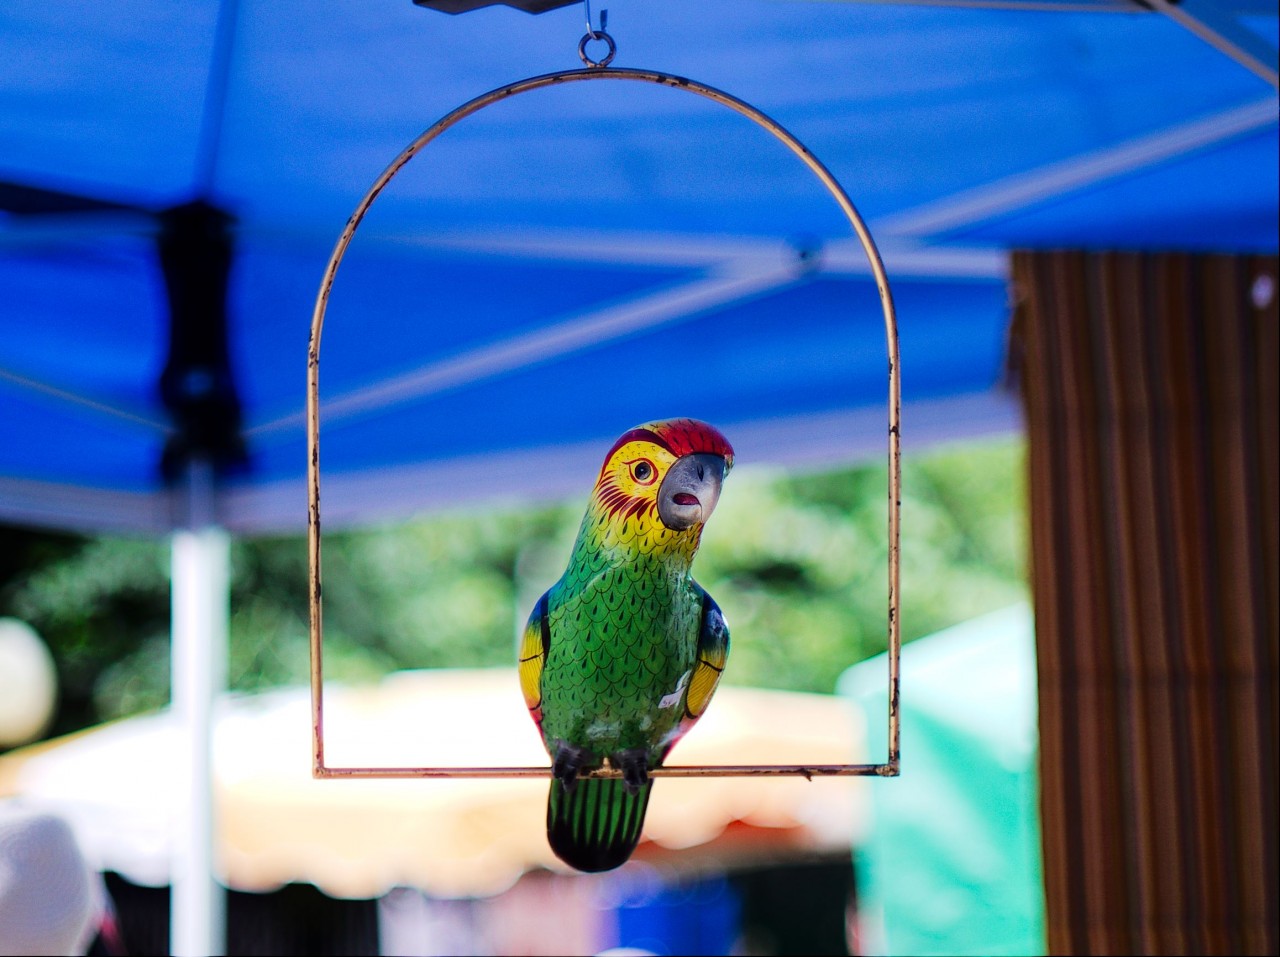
(689, 493)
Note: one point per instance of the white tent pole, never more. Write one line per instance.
(200, 586)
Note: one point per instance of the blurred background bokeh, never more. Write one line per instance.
(797, 559)
(800, 559)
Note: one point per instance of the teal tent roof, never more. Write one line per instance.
(950, 863)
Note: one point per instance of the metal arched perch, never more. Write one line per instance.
(596, 73)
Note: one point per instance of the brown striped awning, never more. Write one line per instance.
(1149, 386)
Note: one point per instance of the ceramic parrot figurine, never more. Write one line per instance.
(621, 656)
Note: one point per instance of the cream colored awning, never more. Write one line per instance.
(453, 837)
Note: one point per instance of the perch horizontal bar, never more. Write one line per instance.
(689, 771)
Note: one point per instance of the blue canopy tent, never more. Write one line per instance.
(173, 177)
(556, 238)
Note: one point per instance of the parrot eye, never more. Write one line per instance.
(642, 471)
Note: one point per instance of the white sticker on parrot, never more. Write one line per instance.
(673, 699)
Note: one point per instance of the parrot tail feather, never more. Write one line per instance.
(595, 825)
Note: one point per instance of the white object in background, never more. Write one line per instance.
(28, 683)
(47, 896)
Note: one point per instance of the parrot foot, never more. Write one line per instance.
(634, 765)
(567, 762)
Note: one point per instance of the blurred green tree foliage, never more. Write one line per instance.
(796, 561)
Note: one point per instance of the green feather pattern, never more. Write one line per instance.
(611, 651)
(595, 826)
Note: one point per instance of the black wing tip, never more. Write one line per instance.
(593, 860)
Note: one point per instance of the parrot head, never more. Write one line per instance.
(665, 474)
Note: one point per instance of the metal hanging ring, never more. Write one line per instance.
(596, 35)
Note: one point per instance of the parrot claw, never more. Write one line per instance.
(566, 764)
(634, 765)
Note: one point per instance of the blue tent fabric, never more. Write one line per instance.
(951, 861)
(576, 260)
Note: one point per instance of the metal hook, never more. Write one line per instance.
(604, 21)
(592, 34)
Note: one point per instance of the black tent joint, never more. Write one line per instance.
(466, 6)
(197, 385)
